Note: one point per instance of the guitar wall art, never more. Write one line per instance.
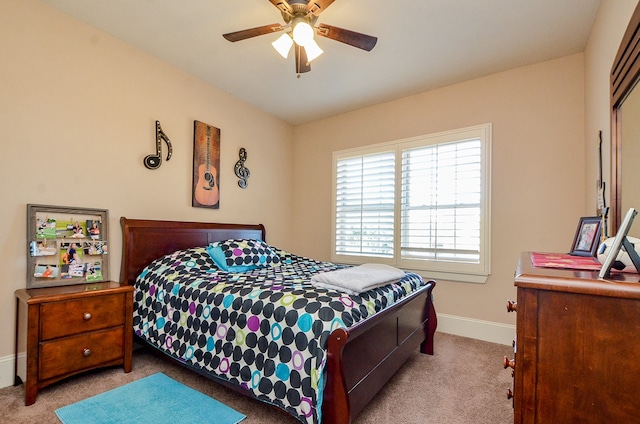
(206, 166)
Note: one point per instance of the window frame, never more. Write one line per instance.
(467, 272)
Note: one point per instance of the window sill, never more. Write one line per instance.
(451, 276)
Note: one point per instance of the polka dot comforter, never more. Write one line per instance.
(265, 329)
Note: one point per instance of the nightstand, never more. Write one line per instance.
(62, 331)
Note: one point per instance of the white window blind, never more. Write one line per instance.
(365, 205)
(441, 193)
(420, 203)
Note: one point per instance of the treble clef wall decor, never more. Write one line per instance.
(154, 161)
(242, 171)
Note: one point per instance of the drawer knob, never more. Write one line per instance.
(509, 363)
(512, 306)
(87, 316)
(86, 352)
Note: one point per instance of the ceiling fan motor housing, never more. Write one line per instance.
(299, 12)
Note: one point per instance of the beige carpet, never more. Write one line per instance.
(464, 382)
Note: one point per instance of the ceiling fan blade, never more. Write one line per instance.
(355, 39)
(252, 32)
(318, 6)
(302, 64)
(282, 6)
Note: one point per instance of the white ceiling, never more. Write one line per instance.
(422, 45)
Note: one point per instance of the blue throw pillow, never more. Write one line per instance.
(240, 255)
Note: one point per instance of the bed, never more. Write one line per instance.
(361, 342)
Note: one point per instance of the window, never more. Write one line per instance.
(420, 203)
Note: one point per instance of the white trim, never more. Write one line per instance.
(449, 276)
(6, 370)
(488, 331)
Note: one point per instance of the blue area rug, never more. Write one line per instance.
(154, 399)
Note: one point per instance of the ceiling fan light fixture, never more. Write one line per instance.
(299, 28)
(283, 44)
(313, 50)
(302, 33)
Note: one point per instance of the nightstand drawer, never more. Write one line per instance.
(84, 351)
(70, 317)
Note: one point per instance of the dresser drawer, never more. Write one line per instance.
(76, 353)
(65, 318)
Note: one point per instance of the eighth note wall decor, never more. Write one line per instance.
(154, 161)
(206, 166)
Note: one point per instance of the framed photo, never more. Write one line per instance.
(66, 245)
(206, 166)
(587, 238)
(620, 242)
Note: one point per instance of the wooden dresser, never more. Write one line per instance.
(71, 329)
(577, 354)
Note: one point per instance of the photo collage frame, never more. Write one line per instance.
(66, 245)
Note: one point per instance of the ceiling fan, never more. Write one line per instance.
(300, 18)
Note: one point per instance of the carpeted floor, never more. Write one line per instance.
(463, 383)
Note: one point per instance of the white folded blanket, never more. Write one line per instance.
(358, 279)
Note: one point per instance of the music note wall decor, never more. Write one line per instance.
(206, 166)
(154, 161)
(242, 171)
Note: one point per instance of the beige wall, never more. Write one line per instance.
(538, 167)
(77, 113)
(606, 35)
(77, 116)
(545, 119)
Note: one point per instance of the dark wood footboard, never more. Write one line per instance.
(361, 360)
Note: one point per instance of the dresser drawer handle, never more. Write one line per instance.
(87, 316)
(509, 363)
(86, 352)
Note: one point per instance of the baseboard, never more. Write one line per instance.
(7, 371)
(477, 329)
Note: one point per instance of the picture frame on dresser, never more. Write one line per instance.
(587, 237)
(620, 243)
(66, 245)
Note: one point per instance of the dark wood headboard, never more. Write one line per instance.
(145, 240)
